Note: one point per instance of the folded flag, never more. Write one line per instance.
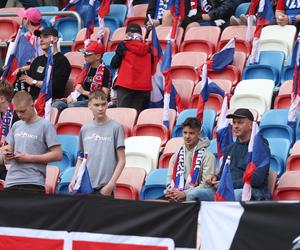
(82, 181)
(225, 191)
(102, 12)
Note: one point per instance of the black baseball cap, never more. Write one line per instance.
(133, 28)
(241, 113)
(47, 31)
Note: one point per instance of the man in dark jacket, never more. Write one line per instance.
(238, 152)
(134, 60)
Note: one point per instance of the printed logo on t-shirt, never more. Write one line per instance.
(96, 137)
(292, 4)
(205, 6)
(40, 69)
(26, 135)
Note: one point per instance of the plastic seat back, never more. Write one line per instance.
(79, 115)
(52, 174)
(115, 17)
(11, 10)
(241, 9)
(106, 58)
(293, 162)
(139, 14)
(288, 186)
(9, 29)
(171, 147)
(184, 89)
(67, 27)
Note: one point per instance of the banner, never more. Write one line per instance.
(37, 221)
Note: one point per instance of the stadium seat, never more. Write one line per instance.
(72, 119)
(201, 39)
(54, 115)
(9, 29)
(209, 119)
(273, 124)
(155, 184)
(185, 65)
(124, 116)
(283, 99)
(77, 61)
(241, 44)
(171, 147)
(239, 61)
(278, 38)
(280, 148)
(184, 89)
(46, 19)
(11, 10)
(255, 94)
(106, 58)
(230, 73)
(163, 34)
(288, 70)
(293, 161)
(272, 179)
(139, 15)
(288, 186)
(67, 27)
(65, 179)
(79, 40)
(52, 174)
(241, 9)
(130, 183)
(213, 148)
(142, 152)
(150, 123)
(269, 67)
(118, 36)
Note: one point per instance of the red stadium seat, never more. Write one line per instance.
(79, 40)
(184, 89)
(293, 161)
(241, 44)
(54, 115)
(77, 61)
(201, 39)
(150, 123)
(230, 73)
(283, 99)
(9, 29)
(118, 36)
(272, 178)
(125, 116)
(139, 15)
(130, 183)
(11, 10)
(52, 174)
(171, 147)
(65, 128)
(163, 35)
(239, 61)
(288, 186)
(185, 65)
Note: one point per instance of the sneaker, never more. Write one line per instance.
(235, 21)
(244, 19)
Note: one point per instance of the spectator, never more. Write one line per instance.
(288, 12)
(103, 141)
(96, 76)
(136, 64)
(32, 144)
(7, 118)
(26, 3)
(33, 78)
(238, 151)
(191, 156)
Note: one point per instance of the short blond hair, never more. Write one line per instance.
(22, 97)
(97, 94)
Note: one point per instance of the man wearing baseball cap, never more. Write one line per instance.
(95, 76)
(242, 120)
(33, 78)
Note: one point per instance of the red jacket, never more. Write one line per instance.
(134, 60)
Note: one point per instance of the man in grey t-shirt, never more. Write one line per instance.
(32, 143)
(103, 141)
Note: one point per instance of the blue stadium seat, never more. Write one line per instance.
(65, 179)
(280, 148)
(155, 184)
(46, 19)
(207, 126)
(273, 124)
(288, 70)
(269, 67)
(213, 148)
(69, 145)
(242, 9)
(67, 26)
(106, 58)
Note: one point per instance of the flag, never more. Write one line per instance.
(89, 21)
(130, 12)
(295, 98)
(44, 100)
(178, 12)
(102, 12)
(225, 191)
(224, 129)
(82, 181)
(265, 15)
(259, 156)
(21, 52)
(207, 87)
(224, 57)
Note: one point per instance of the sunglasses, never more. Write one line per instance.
(87, 53)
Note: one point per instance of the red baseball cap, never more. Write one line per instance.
(32, 14)
(93, 48)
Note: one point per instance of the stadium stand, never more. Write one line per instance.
(139, 15)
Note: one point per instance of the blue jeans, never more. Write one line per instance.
(61, 105)
(207, 194)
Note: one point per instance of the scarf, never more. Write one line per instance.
(194, 6)
(178, 181)
(6, 122)
(161, 7)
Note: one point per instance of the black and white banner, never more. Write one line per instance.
(37, 221)
(253, 225)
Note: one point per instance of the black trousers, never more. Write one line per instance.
(26, 3)
(26, 188)
(128, 98)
